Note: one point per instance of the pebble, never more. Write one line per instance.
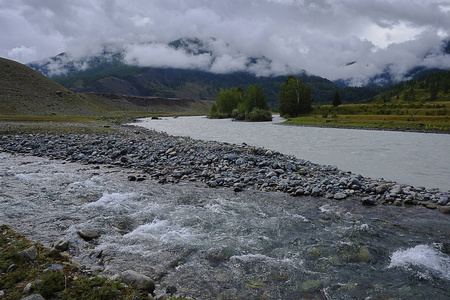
(171, 159)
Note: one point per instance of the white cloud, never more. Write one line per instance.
(160, 55)
(321, 36)
(22, 53)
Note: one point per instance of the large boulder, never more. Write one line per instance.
(138, 281)
(88, 234)
(28, 254)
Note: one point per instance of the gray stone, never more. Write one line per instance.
(54, 267)
(27, 288)
(396, 189)
(88, 234)
(299, 192)
(340, 196)
(125, 159)
(443, 200)
(316, 192)
(238, 187)
(138, 281)
(355, 181)
(62, 245)
(444, 209)
(29, 253)
(381, 188)
(289, 167)
(368, 201)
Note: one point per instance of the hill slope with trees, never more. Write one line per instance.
(27, 92)
(114, 76)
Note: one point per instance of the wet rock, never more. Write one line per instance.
(62, 245)
(173, 159)
(316, 192)
(444, 209)
(396, 189)
(368, 201)
(409, 200)
(28, 254)
(138, 281)
(340, 196)
(299, 192)
(88, 234)
(125, 159)
(443, 200)
(381, 188)
(171, 290)
(238, 187)
(364, 254)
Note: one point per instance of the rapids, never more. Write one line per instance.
(215, 243)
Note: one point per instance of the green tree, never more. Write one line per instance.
(294, 98)
(336, 99)
(434, 89)
(226, 102)
(250, 105)
(255, 97)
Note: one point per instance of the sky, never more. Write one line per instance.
(335, 39)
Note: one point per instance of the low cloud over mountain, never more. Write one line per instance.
(351, 40)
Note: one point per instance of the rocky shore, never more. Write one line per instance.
(169, 159)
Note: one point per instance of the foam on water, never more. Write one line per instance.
(114, 201)
(161, 230)
(425, 257)
(293, 261)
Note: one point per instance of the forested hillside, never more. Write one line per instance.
(432, 87)
(113, 76)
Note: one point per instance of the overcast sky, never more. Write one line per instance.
(330, 38)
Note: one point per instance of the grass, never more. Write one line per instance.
(68, 283)
(65, 284)
(398, 115)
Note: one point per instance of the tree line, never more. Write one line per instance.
(294, 99)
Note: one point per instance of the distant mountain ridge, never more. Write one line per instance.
(108, 73)
(111, 72)
(27, 92)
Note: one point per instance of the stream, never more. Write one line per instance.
(218, 244)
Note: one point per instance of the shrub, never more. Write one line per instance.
(257, 115)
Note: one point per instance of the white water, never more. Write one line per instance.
(429, 261)
(214, 243)
(416, 159)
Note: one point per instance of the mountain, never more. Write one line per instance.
(387, 77)
(108, 73)
(27, 92)
(431, 86)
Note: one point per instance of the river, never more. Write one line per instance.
(218, 244)
(418, 159)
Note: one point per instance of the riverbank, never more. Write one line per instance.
(28, 269)
(231, 241)
(399, 129)
(170, 159)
